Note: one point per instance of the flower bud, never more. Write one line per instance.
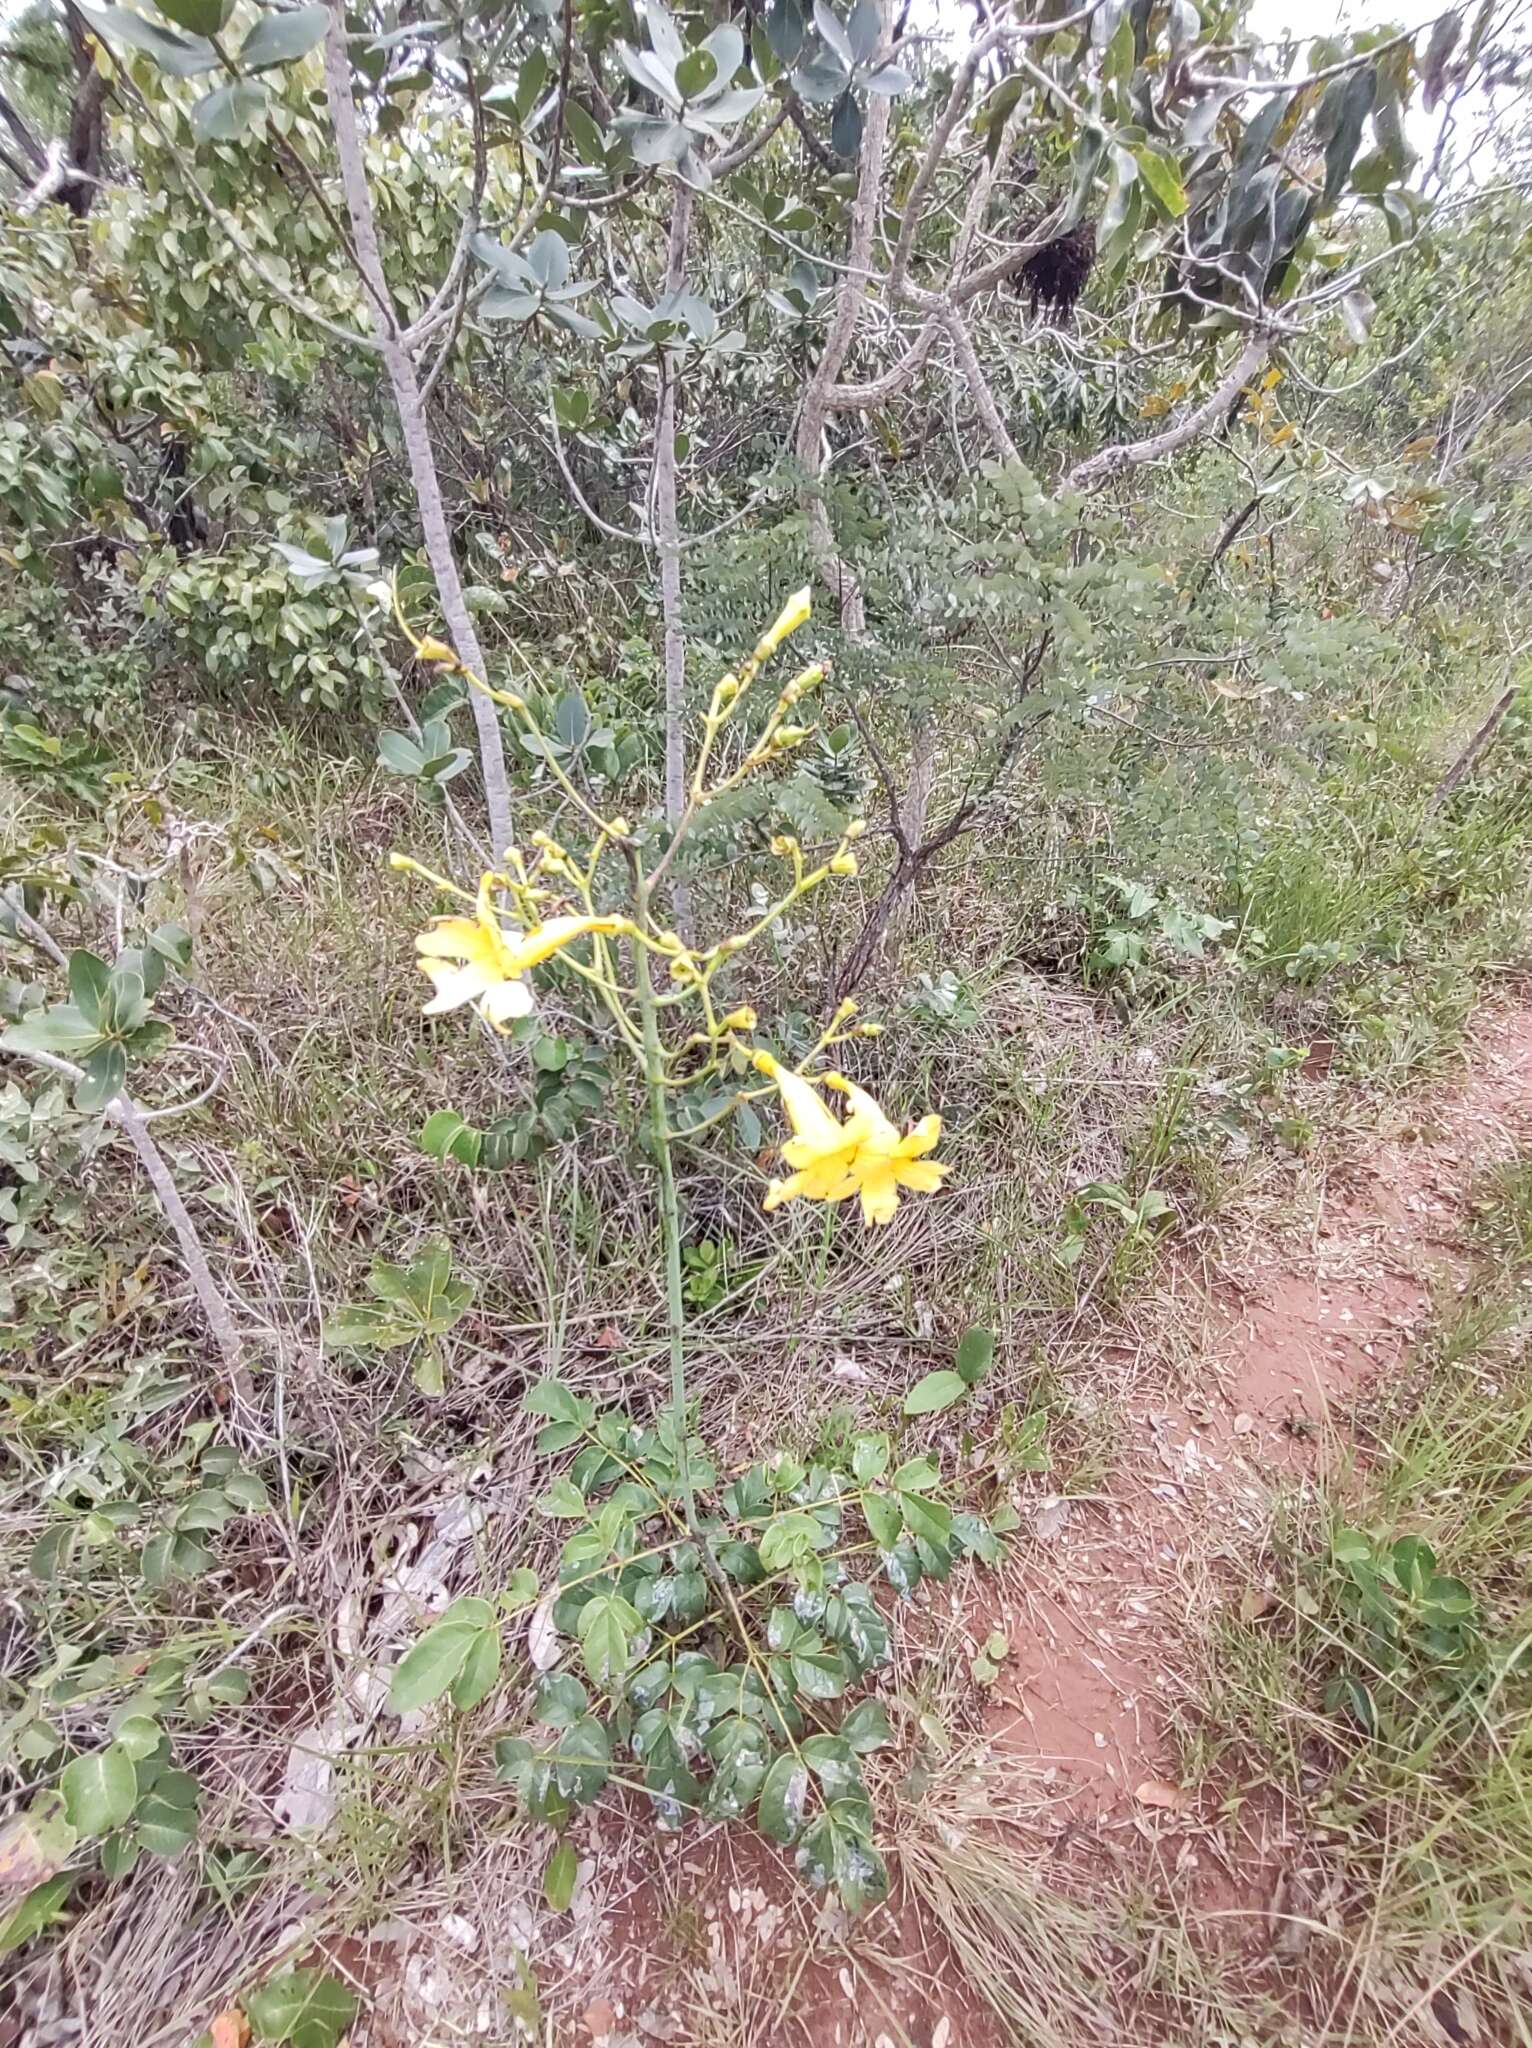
(789, 735)
(856, 828)
(843, 864)
(742, 1019)
(618, 827)
(436, 651)
(793, 614)
(784, 846)
(845, 1009)
(869, 1031)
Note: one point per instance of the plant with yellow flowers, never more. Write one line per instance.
(714, 1628)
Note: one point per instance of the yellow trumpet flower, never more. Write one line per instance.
(476, 960)
(793, 615)
(887, 1161)
(866, 1155)
(820, 1148)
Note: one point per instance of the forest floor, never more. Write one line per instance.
(1087, 1854)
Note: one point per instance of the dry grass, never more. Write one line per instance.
(304, 1166)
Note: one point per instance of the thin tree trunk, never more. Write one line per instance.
(667, 534)
(412, 423)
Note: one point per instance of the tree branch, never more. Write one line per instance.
(412, 423)
(1108, 463)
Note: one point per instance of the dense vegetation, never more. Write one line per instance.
(436, 1450)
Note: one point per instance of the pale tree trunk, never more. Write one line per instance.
(413, 428)
(667, 535)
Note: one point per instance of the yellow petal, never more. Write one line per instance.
(544, 940)
(454, 986)
(920, 1176)
(867, 1123)
(880, 1195)
(503, 1000)
(923, 1138)
(807, 1112)
(451, 938)
(792, 615)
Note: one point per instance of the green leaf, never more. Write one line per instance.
(88, 979)
(582, 1762)
(936, 1391)
(867, 1727)
(137, 1735)
(106, 1071)
(172, 942)
(481, 1667)
(560, 1699)
(606, 1627)
(100, 1790)
(869, 1458)
(1160, 174)
(818, 1674)
(444, 1135)
(305, 2007)
(784, 1797)
(278, 38)
(182, 57)
(927, 1520)
(885, 1519)
(559, 1877)
(39, 1909)
(399, 754)
(202, 17)
(166, 1820)
(360, 1327)
(553, 1399)
(61, 1028)
(975, 1354)
(228, 110)
(429, 1667)
(563, 1500)
(834, 1763)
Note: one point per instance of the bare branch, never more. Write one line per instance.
(1108, 463)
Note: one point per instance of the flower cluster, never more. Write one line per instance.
(542, 904)
(865, 1155)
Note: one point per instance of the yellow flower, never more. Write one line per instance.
(866, 1155)
(885, 1161)
(793, 614)
(820, 1148)
(475, 960)
(437, 652)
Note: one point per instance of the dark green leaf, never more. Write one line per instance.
(202, 17)
(975, 1353)
(846, 126)
(89, 977)
(784, 1796)
(866, 1727)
